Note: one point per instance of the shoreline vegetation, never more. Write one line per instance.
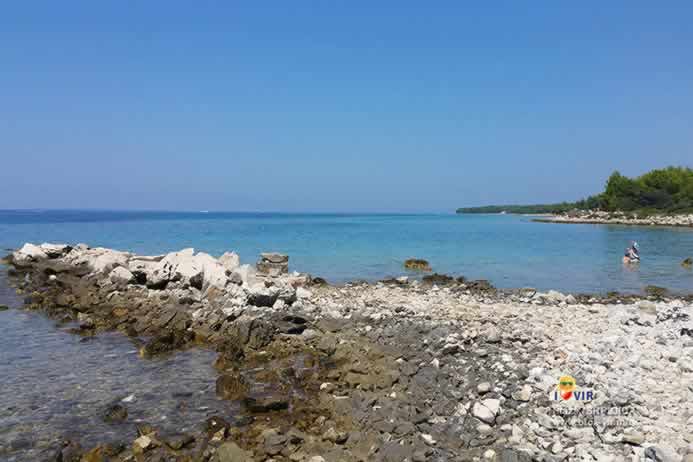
(437, 369)
(652, 198)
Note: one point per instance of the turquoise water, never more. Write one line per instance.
(510, 251)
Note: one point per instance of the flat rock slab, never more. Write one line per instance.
(273, 257)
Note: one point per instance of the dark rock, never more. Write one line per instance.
(394, 452)
(159, 284)
(69, 452)
(480, 285)
(510, 455)
(235, 278)
(658, 455)
(335, 436)
(438, 279)
(267, 404)
(254, 333)
(231, 386)
(417, 264)
(179, 441)
(4, 307)
(318, 281)
(402, 282)
(115, 412)
(263, 297)
(216, 424)
(687, 263)
(144, 429)
(656, 291)
(230, 354)
(197, 281)
(292, 324)
(165, 342)
(274, 443)
(231, 452)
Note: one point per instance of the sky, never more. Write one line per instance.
(343, 106)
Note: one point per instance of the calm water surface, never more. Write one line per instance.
(56, 385)
(511, 251)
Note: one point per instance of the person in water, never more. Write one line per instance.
(632, 254)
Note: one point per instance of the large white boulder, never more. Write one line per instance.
(178, 266)
(486, 410)
(230, 260)
(214, 273)
(121, 276)
(248, 275)
(201, 270)
(105, 260)
(28, 254)
(143, 268)
(303, 293)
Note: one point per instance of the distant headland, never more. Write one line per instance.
(667, 191)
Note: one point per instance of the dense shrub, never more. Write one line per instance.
(668, 190)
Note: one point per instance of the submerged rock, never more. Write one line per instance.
(231, 386)
(165, 342)
(656, 291)
(417, 264)
(115, 412)
(216, 425)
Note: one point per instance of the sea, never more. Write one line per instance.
(510, 251)
(56, 385)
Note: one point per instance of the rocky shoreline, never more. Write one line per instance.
(440, 369)
(618, 218)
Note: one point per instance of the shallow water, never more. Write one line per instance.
(56, 385)
(509, 250)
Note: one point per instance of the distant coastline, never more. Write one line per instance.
(658, 197)
(619, 218)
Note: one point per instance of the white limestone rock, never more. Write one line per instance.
(230, 260)
(121, 276)
(486, 410)
(28, 254)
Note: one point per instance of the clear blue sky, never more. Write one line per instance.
(337, 105)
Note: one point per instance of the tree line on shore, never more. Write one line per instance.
(662, 191)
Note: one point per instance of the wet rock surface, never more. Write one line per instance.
(446, 369)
